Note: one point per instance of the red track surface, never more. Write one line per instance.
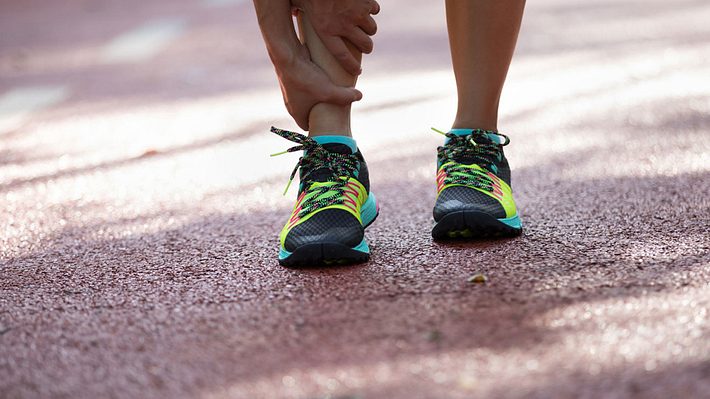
(139, 212)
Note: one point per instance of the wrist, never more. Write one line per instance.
(282, 52)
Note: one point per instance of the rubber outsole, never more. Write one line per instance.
(324, 254)
(333, 254)
(474, 225)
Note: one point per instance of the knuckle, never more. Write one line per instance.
(341, 55)
(366, 44)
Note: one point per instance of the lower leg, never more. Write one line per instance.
(327, 119)
(482, 36)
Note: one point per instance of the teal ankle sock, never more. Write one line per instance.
(461, 132)
(464, 132)
(347, 140)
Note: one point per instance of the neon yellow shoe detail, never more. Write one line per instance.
(333, 206)
(474, 197)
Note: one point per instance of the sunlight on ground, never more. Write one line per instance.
(18, 105)
(602, 325)
(155, 134)
(210, 141)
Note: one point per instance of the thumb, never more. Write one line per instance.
(343, 95)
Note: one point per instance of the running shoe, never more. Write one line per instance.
(474, 198)
(333, 207)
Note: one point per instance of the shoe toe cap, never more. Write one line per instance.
(455, 199)
(329, 226)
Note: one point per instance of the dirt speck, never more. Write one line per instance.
(478, 279)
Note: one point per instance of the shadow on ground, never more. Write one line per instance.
(196, 300)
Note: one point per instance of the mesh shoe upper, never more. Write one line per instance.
(323, 213)
(329, 225)
(459, 198)
(473, 175)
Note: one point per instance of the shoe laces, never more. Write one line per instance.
(338, 168)
(474, 148)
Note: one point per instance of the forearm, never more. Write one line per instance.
(303, 83)
(324, 118)
(276, 24)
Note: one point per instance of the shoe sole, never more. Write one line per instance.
(324, 254)
(333, 253)
(475, 225)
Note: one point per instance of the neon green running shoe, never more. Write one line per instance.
(333, 208)
(474, 197)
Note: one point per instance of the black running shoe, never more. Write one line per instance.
(333, 208)
(474, 196)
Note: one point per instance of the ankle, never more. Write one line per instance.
(328, 119)
(489, 122)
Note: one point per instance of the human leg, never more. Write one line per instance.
(334, 203)
(474, 196)
(327, 119)
(482, 37)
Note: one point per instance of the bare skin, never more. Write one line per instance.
(343, 24)
(303, 84)
(482, 37)
(324, 118)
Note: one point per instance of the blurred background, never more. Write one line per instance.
(139, 210)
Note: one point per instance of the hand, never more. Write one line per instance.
(304, 84)
(338, 20)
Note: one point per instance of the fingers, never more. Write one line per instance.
(369, 25)
(361, 40)
(342, 95)
(336, 46)
(338, 95)
(375, 8)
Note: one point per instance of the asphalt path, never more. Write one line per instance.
(139, 211)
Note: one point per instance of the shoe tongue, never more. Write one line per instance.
(467, 158)
(323, 174)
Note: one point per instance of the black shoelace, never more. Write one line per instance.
(317, 158)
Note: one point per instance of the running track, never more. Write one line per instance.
(139, 211)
